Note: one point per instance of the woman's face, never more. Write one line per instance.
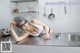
(24, 26)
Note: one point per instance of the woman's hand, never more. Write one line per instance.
(46, 37)
(12, 24)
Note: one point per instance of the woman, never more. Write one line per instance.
(34, 28)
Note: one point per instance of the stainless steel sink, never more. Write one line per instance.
(74, 37)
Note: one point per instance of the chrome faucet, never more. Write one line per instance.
(57, 35)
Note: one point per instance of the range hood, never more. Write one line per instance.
(23, 1)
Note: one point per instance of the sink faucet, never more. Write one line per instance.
(57, 35)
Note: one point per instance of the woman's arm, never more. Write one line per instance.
(15, 35)
(45, 27)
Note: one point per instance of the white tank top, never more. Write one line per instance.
(40, 30)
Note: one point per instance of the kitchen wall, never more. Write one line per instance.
(5, 15)
(61, 23)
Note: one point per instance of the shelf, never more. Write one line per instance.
(20, 1)
(25, 12)
(30, 12)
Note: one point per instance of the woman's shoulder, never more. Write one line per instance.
(33, 20)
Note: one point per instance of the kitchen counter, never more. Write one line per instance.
(61, 40)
